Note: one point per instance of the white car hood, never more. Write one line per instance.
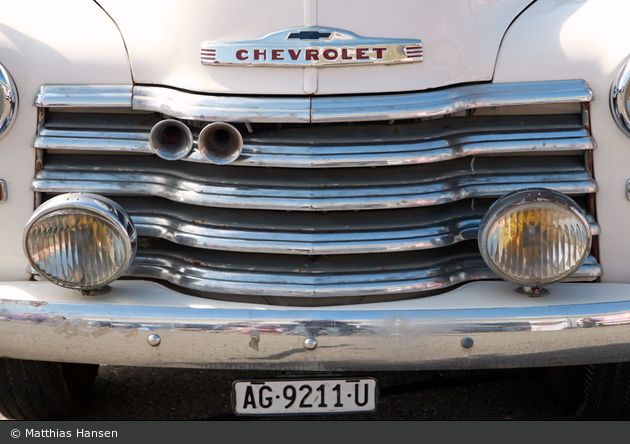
(460, 39)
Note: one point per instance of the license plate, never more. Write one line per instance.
(304, 396)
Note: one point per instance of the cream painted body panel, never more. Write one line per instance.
(42, 43)
(461, 39)
(587, 40)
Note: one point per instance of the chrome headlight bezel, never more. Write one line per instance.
(99, 206)
(620, 98)
(8, 101)
(520, 198)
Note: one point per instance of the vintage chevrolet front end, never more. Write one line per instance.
(314, 186)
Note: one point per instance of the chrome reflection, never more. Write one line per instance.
(203, 107)
(209, 108)
(368, 337)
(3, 191)
(190, 106)
(84, 96)
(305, 233)
(8, 101)
(341, 146)
(620, 98)
(312, 190)
(333, 276)
(451, 100)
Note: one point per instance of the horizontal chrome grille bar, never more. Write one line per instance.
(92, 96)
(204, 107)
(329, 276)
(448, 101)
(311, 190)
(337, 147)
(189, 106)
(309, 233)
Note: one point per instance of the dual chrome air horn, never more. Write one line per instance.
(219, 143)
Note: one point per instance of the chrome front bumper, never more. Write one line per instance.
(575, 324)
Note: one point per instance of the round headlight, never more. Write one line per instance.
(80, 241)
(8, 101)
(534, 237)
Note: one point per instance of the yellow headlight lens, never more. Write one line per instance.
(80, 241)
(535, 237)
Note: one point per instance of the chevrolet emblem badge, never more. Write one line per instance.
(312, 47)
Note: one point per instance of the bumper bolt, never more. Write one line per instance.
(467, 342)
(310, 344)
(154, 340)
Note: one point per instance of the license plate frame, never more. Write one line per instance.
(270, 397)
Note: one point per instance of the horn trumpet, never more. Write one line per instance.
(220, 143)
(170, 139)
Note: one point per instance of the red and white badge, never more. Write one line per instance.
(312, 47)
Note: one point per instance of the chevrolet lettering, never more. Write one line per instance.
(181, 185)
(306, 47)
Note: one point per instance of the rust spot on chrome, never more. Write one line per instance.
(38, 165)
(37, 303)
(131, 333)
(586, 117)
(79, 328)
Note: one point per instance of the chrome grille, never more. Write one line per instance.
(385, 203)
(312, 189)
(334, 145)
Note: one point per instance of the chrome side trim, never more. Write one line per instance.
(575, 324)
(85, 96)
(189, 106)
(331, 190)
(307, 233)
(347, 147)
(448, 101)
(330, 277)
(8, 101)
